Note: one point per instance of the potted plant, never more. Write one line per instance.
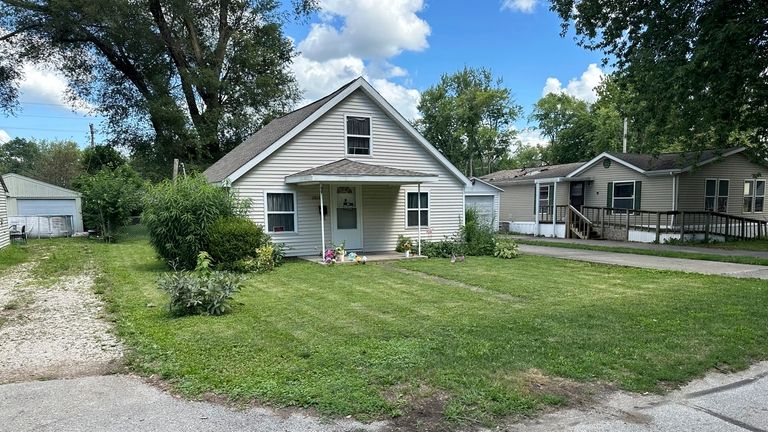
(404, 245)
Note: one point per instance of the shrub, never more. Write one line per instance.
(110, 198)
(506, 249)
(200, 291)
(443, 248)
(478, 237)
(231, 239)
(180, 214)
(404, 243)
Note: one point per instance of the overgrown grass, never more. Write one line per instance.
(366, 340)
(13, 255)
(652, 252)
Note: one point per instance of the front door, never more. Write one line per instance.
(347, 217)
(577, 195)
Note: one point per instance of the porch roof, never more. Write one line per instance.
(348, 171)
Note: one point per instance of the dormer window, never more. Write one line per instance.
(358, 135)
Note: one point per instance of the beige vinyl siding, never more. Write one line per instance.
(4, 227)
(656, 194)
(322, 143)
(517, 203)
(736, 168)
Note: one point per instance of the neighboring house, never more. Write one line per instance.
(4, 226)
(349, 169)
(45, 209)
(485, 198)
(622, 195)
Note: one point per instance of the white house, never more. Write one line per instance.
(45, 209)
(4, 226)
(349, 169)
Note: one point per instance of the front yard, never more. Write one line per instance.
(477, 341)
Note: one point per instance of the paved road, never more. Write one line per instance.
(653, 246)
(719, 402)
(652, 262)
(124, 403)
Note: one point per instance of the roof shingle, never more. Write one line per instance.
(346, 167)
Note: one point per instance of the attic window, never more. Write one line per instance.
(358, 135)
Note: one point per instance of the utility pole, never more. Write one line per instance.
(625, 135)
(175, 169)
(93, 139)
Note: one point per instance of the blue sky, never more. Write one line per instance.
(401, 46)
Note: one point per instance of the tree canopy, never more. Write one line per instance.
(694, 73)
(186, 79)
(54, 162)
(469, 117)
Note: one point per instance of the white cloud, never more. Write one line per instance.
(526, 6)
(4, 137)
(372, 29)
(356, 38)
(42, 85)
(581, 88)
(531, 137)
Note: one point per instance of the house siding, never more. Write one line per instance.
(735, 168)
(4, 226)
(656, 192)
(517, 203)
(383, 205)
(482, 189)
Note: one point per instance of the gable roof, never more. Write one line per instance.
(65, 192)
(271, 137)
(476, 180)
(263, 138)
(525, 175)
(662, 163)
(353, 168)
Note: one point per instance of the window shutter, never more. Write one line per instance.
(638, 192)
(551, 199)
(609, 195)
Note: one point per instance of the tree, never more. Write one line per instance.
(468, 116)
(186, 79)
(19, 156)
(524, 156)
(696, 71)
(58, 163)
(110, 198)
(94, 159)
(566, 122)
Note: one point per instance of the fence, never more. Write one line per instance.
(43, 226)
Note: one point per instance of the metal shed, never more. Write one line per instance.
(46, 210)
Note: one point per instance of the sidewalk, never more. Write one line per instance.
(650, 246)
(651, 262)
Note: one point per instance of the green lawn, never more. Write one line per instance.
(13, 255)
(662, 253)
(370, 341)
(753, 245)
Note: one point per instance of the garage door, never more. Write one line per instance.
(484, 206)
(46, 207)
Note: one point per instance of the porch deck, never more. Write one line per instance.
(372, 257)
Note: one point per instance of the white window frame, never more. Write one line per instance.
(632, 209)
(544, 209)
(347, 135)
(295, 212)
(754, 195)
(717, 196)
(428, 209)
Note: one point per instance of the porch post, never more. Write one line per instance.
(322, 224)
(537, 207)
(554, 210)
(418, 218)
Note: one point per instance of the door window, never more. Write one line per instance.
(346, 208)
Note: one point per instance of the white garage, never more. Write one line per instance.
(46, 210)
(484, 197)
(4, 226)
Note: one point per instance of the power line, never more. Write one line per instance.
(43, 129)
(47, 116)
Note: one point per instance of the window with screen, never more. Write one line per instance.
(412, 209)
(624, 195)
(281, 212)
(716, 195)
(754, 196)
(358, 135)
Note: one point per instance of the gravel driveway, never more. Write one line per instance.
(53, 331)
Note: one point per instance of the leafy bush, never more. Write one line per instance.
(179, 216)
(506, 249)
(404, 243)
(479, 237)
(443, 248)
(231, 239)
(201, 291)
(110, 198)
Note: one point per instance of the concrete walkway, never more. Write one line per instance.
(651, 262)
(652, 246)
(719, 402)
